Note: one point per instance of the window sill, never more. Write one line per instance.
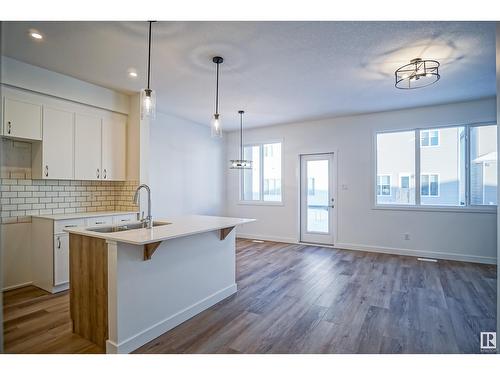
(259, 203)
(469, 209)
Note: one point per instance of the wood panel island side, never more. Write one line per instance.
(128, 287)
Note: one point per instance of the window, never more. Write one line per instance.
(383, 185)
(429, 138)
(395, 157)
(429, 185)
(483, 165)
(262, 183)
(461, 172)
(404, 181)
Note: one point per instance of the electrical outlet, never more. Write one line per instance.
(407, 236)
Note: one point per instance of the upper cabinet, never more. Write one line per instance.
(69, 141)
(22, 119)
(114, 137)
(87, 147)
(53, 157)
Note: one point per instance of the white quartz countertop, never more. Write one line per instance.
(82, 215)
(178, 227)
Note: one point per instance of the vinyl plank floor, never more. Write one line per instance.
(300, 299)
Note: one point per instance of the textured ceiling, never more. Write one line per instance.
(277, 72)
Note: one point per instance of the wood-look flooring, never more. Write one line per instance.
(301, 299)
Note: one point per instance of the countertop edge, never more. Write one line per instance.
(183, 233)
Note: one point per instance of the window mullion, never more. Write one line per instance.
(467, 166)
(261, 158)
(417, 167)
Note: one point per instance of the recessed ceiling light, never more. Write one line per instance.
(36, 34)
(132, 73)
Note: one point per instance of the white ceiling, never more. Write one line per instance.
(277, 72)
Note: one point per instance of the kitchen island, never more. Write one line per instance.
(129, 286)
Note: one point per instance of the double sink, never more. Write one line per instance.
(124, 227)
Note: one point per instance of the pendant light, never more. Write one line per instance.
(216, 125)
(418, 73)
(148, 96)
(241, 163)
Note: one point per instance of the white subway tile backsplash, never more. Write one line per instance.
(21, 197)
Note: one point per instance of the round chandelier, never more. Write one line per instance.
(418, 73)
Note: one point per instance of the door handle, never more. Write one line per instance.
(97, 172)
(105, 173)
(9, 127)
(46, 171)
(58, 242)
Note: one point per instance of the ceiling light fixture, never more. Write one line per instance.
(132, 73)
(35, 34)
(216, 125)
(418, 73)
(148, 96)
(241, 163)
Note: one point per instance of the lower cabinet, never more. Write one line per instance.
(61, 259)
(50, 249)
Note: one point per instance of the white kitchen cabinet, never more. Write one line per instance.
(22, 119)
(53, 157)
(114, 134)
(87, 147)
(50, 250)
(61, 259)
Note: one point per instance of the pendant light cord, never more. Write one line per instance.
(241, 135)
(217, 91)
(149, 53)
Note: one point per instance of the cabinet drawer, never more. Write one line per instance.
(93, 221)
(61, 259)
(119, 219)
(60, 225)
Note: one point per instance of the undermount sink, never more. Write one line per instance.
(125, 227)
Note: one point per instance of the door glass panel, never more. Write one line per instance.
(318, 196)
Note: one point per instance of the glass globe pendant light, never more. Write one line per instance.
(216, 128)
(241, 163)
(148, 96)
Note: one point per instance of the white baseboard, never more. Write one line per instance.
(168, 323)
(11, 287)
(266, 238)
(418, 253)
(385, 250)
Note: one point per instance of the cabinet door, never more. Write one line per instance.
(57, 155)
(22, 119)
(87, 147)
(61, 259)
(114, 136)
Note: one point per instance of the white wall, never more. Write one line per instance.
(454, 235)
(185, 168)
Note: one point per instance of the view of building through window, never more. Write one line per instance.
(395, 160)
(263, 181)
(443, 166)
(317, 196)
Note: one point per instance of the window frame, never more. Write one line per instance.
(428, 130)
(417, 206)
(261, 201)
(405, 174)
(429, 174)
(390, 185)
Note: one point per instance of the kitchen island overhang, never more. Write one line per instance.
(123, 295)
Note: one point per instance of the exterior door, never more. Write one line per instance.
(317, 198)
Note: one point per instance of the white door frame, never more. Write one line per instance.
(323, 239)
